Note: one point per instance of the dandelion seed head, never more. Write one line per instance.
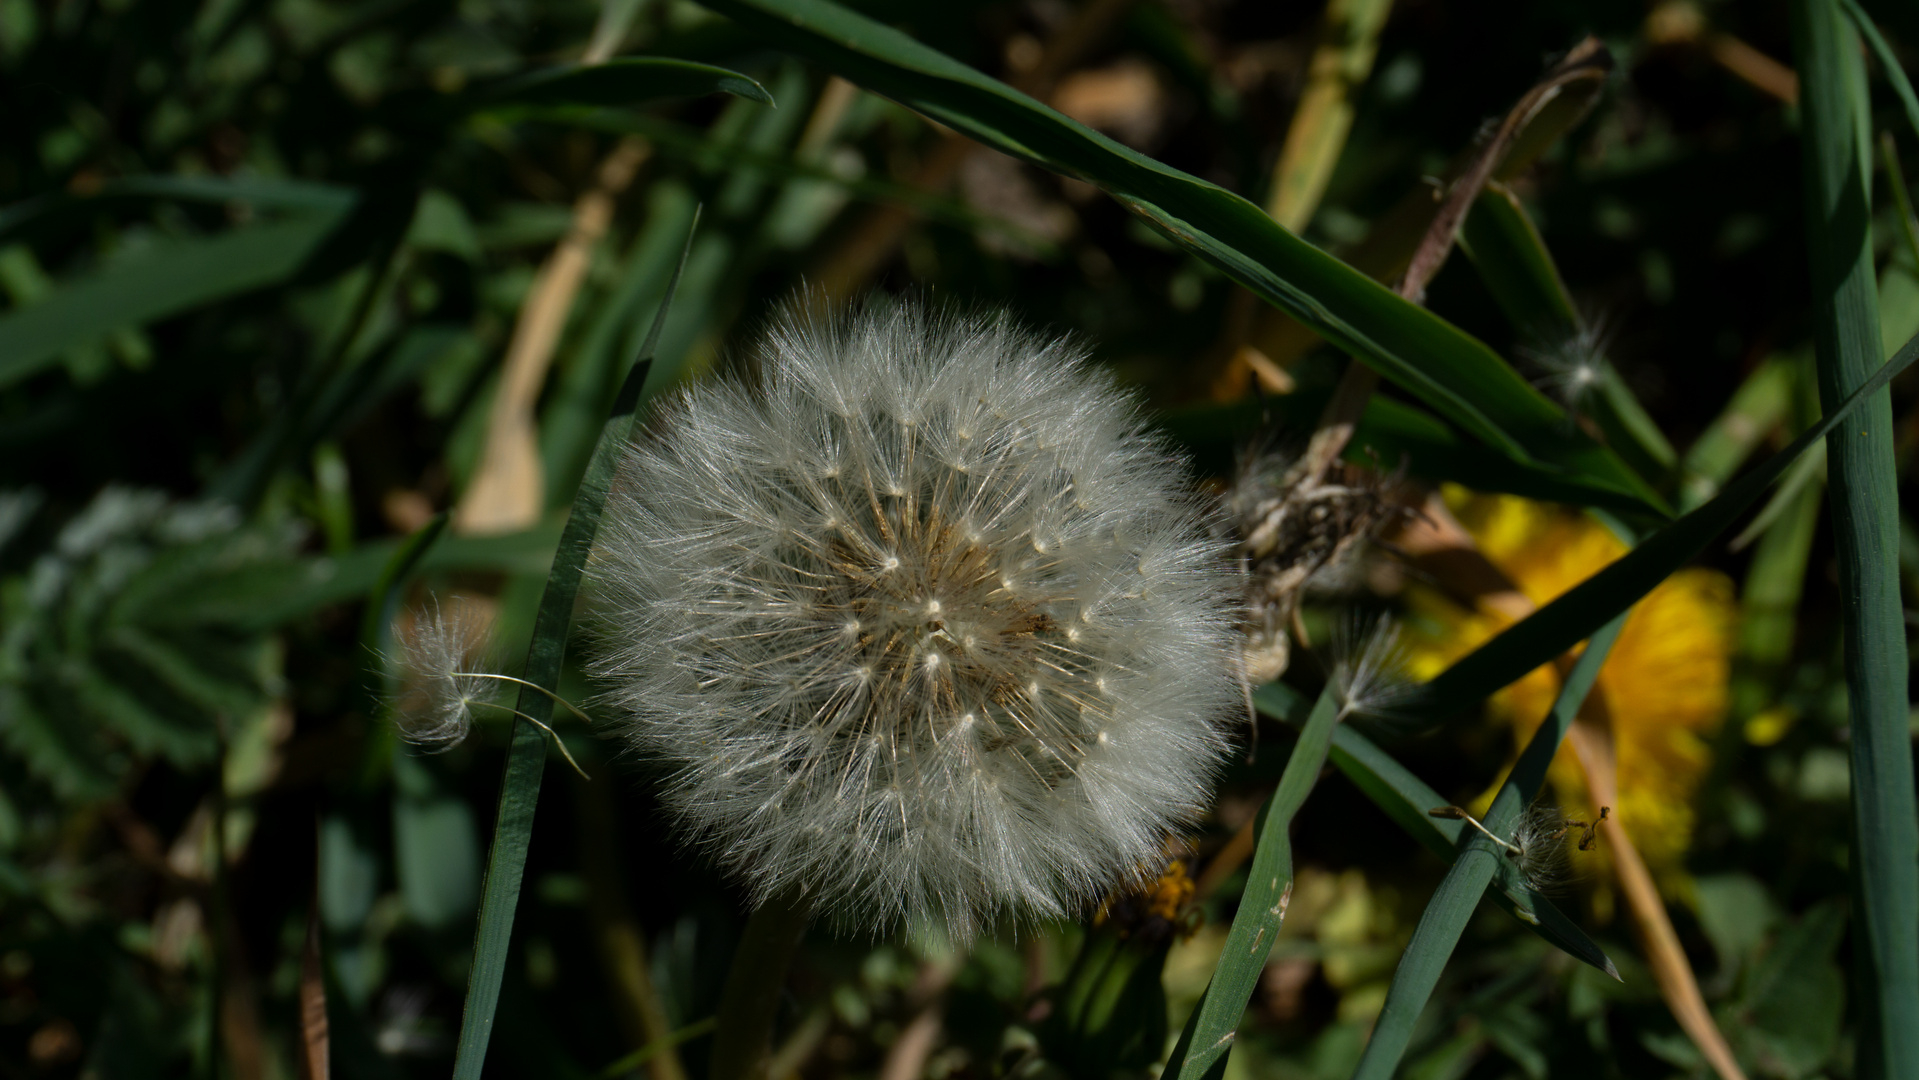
(933, 505)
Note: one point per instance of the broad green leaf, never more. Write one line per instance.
(1451, 372)
(1863, 491)
(1582, 610)
(172, 277)
(619, 83)
(526, 754)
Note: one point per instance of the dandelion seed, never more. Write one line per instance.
(1575, 367)
(442, 656)
(1537, 849)
(1368, 670)
(989, 489)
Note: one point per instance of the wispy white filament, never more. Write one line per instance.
(922, 623)
(1368, 671)
(437, 653)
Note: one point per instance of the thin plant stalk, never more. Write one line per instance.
(751, 998)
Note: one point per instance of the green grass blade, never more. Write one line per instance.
(1512, 260)
(384, 601)
(1762, 401)
(258, 192)
(1888, 61)
(1405, 798)
(1864, 496)
(1478, 864)
(633, 80)
(170, 278)
(1901, 199)
(1208, 1037)
(1582, 610)
(526, 755)
(1450, 371)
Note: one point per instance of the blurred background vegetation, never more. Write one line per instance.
(278, 292)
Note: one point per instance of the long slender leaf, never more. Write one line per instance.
(1582, 610)
(1757, 407)
(1888, 61)
(171, 278)
(1511, 257)
(1450, 371)
(1864, 495)
(1209, 1033)
(629, 81)
(1478, 864)
(257, 192)
(526, 754)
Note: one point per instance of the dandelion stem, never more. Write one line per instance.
(560, 745)
(753, 985)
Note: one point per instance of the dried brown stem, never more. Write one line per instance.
(508, 490)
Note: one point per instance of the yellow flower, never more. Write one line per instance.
(1665, 682)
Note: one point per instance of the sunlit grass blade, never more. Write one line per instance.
(1478, 864)
(1448, 370)
(1757, 407)
(1405, 798)
(1210, 1031)
(526, 754)
(1582, 610)
(1863, 492)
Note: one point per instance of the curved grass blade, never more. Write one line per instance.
(1479, 863)
(1453, 373)
(526, 754)
(1405, 798)
(1209, 1033)
(1582, 610)
(1863, 492)
(618, 83)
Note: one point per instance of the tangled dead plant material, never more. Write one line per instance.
(1297, 523)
